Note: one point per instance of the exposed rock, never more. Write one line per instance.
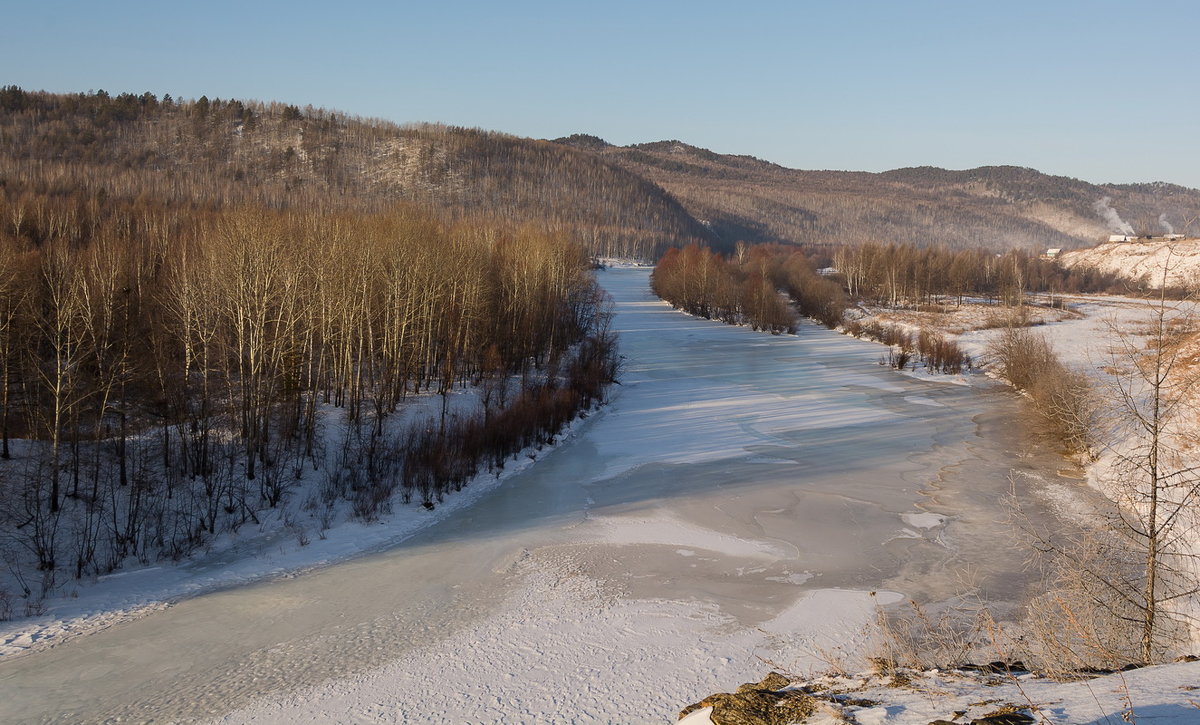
(758, 707)
(773, 681)
(1000, 717)
(758, 704)
(1004, 718)
(1101, 671)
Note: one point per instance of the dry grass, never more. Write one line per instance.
(1062, 400)
(957, 319)
(917, 638)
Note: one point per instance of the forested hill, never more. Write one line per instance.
(741, 197)
(215, 309)
(632, 201)
(217, 153)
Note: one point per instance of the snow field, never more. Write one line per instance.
(565, 650)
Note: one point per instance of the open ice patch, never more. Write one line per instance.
(923, 520)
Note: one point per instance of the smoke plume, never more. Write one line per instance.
(1111, 217)
(1162, 221)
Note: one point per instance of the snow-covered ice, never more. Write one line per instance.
(736, 504)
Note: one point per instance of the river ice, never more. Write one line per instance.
(743, 503)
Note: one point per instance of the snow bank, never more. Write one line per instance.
(1149, 259)
(286, 542)
(1164, 694)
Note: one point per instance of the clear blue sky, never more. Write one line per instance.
(1103, 91)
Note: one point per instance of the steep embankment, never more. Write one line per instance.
(1153, 262)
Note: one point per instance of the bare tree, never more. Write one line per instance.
(169, 347)
(1124, 586)
(13, 296)
(60, 327)
(1158, 486)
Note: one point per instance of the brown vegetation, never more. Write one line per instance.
(745, 288)
(934, 351)
(1062, 398)
(703, 283)
(182, 331)
(817, 297)
(227, 152)
(895, 275)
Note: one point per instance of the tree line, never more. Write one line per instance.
(746, 287)
(168, 370)
(895, 274)
(703, 283)
(732, 288)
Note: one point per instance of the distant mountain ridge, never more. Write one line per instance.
(621, 201)
(743, 197)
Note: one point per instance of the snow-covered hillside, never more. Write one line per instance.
(1138, 260)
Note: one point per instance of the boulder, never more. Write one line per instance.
(759, 703)
(773, 681)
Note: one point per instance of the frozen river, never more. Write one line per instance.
(744, 499)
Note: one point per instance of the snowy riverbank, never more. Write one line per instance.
(286, 541)
(1163, 695)
(744, 498)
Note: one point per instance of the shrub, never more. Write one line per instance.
(898, 358)
(940, 354)
(1062, 398)
(444, 458)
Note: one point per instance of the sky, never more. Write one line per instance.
(1102, 91)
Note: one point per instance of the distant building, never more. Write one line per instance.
(1052, 253)
(1145, 238)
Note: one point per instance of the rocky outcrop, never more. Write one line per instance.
(761, 703)
(778, 700)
